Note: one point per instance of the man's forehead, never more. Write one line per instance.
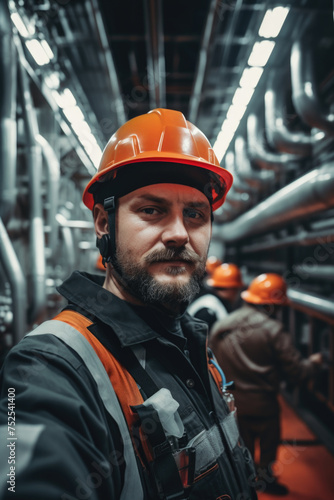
(169, 193)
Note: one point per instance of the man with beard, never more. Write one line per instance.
(116, 397)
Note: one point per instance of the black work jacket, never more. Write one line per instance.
(72, 448)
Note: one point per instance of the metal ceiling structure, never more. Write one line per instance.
(128, 57)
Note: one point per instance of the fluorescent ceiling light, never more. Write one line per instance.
(235, 113)
(74, 114)
(47, 49)
(52, 80)
(273, 22)
(260, 53)
(220, 146)
(222, 143)
(37, 51)
(242, 96)
(19, 24)
(82, 129)
(95, 155)
(250, 77)
(65, 99)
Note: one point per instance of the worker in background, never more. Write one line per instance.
(256, 353)
(115, 398)
(223, 295)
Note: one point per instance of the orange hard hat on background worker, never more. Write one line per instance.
(226, 276)
(267, 288)
(211, 264)
(158, 137)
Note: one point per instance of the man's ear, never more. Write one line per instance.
(100, 220)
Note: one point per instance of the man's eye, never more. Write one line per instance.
(193, 214)
(150, 211)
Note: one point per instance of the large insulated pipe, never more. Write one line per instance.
(8, 69)
(259, 153)
(311, 193)
(259, 180)
(311, 301)
(278, 134)
(36, 276)
(15, 276)
(238, 184)
(305, 94)
(52, 189)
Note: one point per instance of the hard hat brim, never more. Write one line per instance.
(224, 175)
(255, 299)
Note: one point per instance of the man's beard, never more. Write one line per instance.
(148, 289)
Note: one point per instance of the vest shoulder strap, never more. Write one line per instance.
(123, 383)
(73, 337)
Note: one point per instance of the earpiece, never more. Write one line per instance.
(104, 245)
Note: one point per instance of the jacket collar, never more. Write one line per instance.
(85, 291)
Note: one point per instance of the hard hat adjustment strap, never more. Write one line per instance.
(109, 205)
(107, 243)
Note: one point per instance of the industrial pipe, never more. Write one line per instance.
(311, 193)
(260, 180)
(8, 69)
(305, 94)
(36, 277)
(260, 154)
(278, 134)
(15, 276)
(311, 301)
(52, 179)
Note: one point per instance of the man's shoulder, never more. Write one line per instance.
(43, 347)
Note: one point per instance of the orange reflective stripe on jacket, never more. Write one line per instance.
(124, 385)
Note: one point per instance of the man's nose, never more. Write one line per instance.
(175, 232)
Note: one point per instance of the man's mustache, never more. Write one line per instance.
(170, 254)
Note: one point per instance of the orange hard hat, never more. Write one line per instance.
(267, 288)
(160, 137)
(226, 276)
(211, 264)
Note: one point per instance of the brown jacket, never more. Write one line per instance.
(256, 353)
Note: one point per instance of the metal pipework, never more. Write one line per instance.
(15, 276)
(311, 193)
(210, 24)
(52, 178)
(278, 134)
(311, 301)
(240, 201)
(68, 241)
(8, 70)
(258, 180)
(36, 276)
(305, 94)
(260, 154)
(156, 68)
(239, 185)
(95, 13)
